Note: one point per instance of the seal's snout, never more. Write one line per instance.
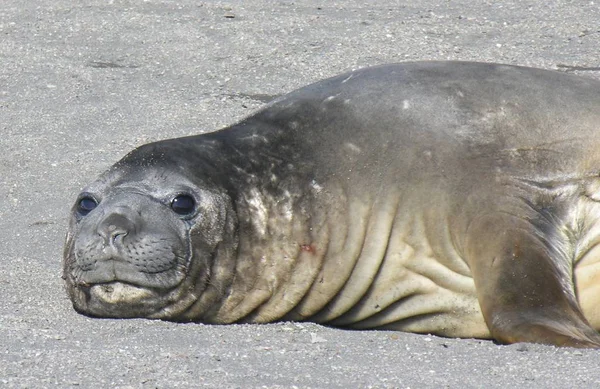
(115, 227)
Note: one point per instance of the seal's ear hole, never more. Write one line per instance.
(183, 204)
(86, 205)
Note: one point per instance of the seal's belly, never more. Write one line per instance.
(415, 293)
(412, 284)
(392, 266)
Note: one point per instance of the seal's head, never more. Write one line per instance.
(144, 236)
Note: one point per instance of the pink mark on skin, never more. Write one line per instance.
(308, 248)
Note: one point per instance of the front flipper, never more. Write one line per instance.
(523, 276)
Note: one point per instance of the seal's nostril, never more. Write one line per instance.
(114, 229)
(116, 234)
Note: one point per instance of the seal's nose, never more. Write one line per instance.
(114, 228)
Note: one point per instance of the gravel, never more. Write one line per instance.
(82, 83)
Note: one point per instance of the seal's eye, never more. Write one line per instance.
(183, 204)
(86, 205)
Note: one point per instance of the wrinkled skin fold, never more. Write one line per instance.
(453, 198)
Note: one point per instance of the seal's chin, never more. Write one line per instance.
(120, 293)
(117, 299)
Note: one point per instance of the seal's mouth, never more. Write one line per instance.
(118, 290)
(108, 271)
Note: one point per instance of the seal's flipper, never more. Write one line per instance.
(525, 285)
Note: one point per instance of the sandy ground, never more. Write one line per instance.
(81, 83)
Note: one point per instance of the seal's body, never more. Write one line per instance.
(460, 199)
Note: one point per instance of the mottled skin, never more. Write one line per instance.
(460, 199)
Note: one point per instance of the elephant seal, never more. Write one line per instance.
(453, 198)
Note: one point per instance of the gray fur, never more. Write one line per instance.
(444, 197)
